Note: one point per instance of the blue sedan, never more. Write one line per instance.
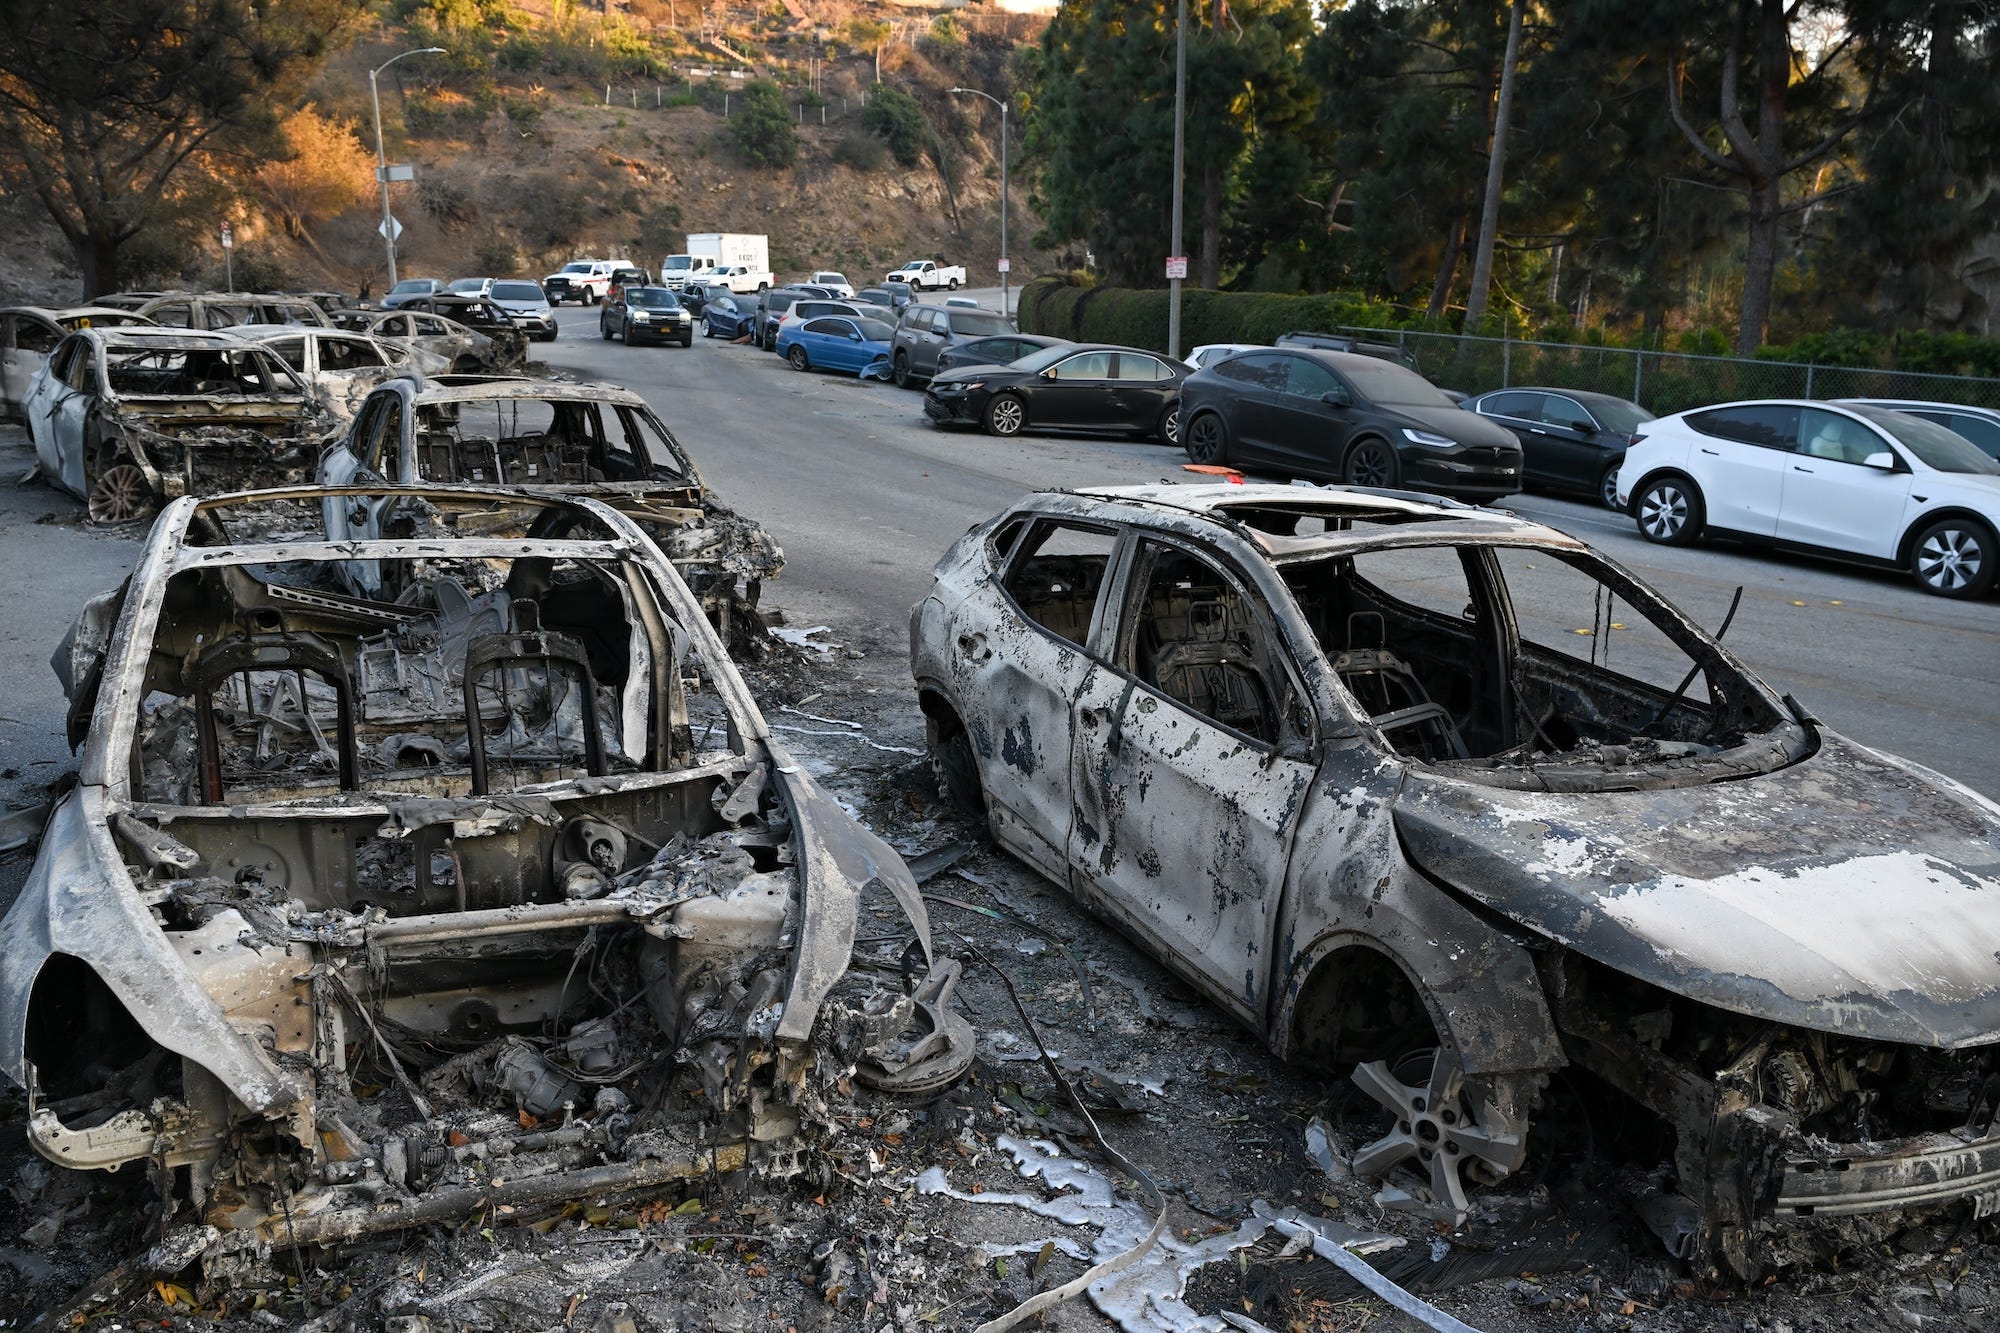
(838, 342)
(727, 316)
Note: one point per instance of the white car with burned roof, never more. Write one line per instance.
(1447, 802)
(370, 914)
(589, 439)
(339, 366)
(125, 418)
(29, 333)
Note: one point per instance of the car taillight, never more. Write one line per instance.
(1635, 440)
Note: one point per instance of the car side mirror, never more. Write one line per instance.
(1049, 374)
(1336, 398)
(1884, 460)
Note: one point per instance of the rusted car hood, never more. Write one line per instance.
(1850, 893)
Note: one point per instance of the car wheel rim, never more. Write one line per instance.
(1663, 512)
(120, 495)
(1006, 416)
(1370, 467)
(1436, 1129)
(798, 359)
(1170, 428)
(1204, 439)
(1607, 489)
(1950, 559)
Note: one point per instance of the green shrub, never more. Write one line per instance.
(894, 117)
(861, 150)
(761, 124)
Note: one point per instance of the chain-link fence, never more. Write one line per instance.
(1662, 382)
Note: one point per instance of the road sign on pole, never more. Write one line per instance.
(1177, 266)
(227, 240)
(1005, 266)
(394, 172)
(392, 229)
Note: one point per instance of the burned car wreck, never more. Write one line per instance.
(502, 893)
(125, 418)
(591, 439)
(1445, 802)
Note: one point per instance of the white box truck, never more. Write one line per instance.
(741, 259)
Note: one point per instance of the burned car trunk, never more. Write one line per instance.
(364, 911)
(1445, 802)
(127, 418)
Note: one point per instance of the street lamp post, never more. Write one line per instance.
(1006, 262)
(1180, 156)
(381, 159)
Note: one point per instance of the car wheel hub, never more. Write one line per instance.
(1663, 512)
(120, 495)
(1436, 1130)
(1950, 559)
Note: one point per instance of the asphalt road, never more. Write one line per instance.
(865, 494)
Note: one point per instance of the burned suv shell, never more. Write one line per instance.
(589, 439)
(370, 913)
(1360, 765)
(124, 418)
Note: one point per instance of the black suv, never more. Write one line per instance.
(925, 330)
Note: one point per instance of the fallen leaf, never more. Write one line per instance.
(527, 1121)
(1000, 1266)
(688, 1208)
(1042, 1257)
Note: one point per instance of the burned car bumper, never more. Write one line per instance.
(1868, 1178)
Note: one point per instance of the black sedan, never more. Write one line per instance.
(1002, 349)
(1570, 440)
(1086, 387)
(728, 315)
(646, 314)
(1340, 416)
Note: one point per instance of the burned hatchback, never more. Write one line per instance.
(126, 418)
(364, 913)
(1445, 802)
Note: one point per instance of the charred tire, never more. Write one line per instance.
(797, 356)
(900, 370)
(1955, 557)
(957, 769)
(1371, 462)
(1607, 486)
(1005, 416)
(1207, 440)
(1669, 510)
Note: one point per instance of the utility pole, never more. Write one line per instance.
(1176, 256)
(1006, 264)
(389, 224)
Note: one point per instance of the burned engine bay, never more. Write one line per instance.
(501, 892)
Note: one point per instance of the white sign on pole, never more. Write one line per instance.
(227, 240)
(391, 229)
(1006, 266)
(1177, 266)
(394, 172)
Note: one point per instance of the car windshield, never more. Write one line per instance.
(677, 263)
(412, 285)
(466, 284)
(980, 324)
(1392, 386)
(874, 330)
(1938, 448)
(517, 291)
(1618, 415)
(780, 300)
(581, 266)
(651, 298)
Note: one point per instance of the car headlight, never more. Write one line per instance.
(1430, 439)
(640, 317)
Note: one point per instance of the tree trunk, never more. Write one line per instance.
(1760, 266)
(1496, 170)
(1454, 248)
(1211, 226)
(97, 256)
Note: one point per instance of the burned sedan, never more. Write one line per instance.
(367, 914)
(126, 418)
(1444, 802)
(570, 439)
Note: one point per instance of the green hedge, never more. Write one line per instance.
(1139, 318)
(1068, 306)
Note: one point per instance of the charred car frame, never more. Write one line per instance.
(365, 913)
(1447, 801)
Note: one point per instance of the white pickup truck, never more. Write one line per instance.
(929, 275)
